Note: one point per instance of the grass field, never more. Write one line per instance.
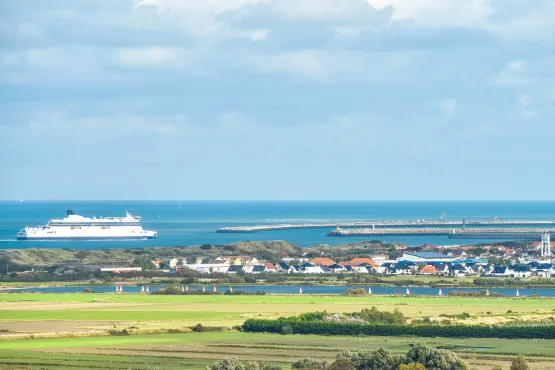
(195, 350)
(25, 313)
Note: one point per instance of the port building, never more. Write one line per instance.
(425, 257)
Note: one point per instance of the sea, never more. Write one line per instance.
(186, 223)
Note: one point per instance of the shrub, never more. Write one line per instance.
(286, 330)
(411, 366)
(381, 359)
(227, 364)
(519, 363)
(198, 328)
(309, 363)
(118, 333)
(87, 290)
(438, 359)
(359, 291)
(342, 364)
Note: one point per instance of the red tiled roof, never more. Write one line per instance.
(428, 269)
(322, 261)
(358, 261)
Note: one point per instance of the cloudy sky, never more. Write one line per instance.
(277, 99)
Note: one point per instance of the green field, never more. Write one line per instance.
(22, 314)
(195, 350)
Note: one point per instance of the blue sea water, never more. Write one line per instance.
(195, 222)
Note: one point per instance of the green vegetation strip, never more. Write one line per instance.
(294, 326)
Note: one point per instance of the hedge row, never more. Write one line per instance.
(285, 326)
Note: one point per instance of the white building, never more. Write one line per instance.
(425, 257)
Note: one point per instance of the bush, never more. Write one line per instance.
(438, 359)
(198, 328)
(359, 291)
(411, 366)
(286, 330)
(227, 364)
(118, 333)
(342, 364)
(87, 290)
(519, 363)
(309, 363)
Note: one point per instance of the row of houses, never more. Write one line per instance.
(410, 263)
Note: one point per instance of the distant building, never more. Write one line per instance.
(425, 257)
(120, 269)
(322, 261)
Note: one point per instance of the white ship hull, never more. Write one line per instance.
(79, 228)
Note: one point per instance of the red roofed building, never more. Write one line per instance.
(358, 261)
(270, 267)
(322, 261)
(429, 270)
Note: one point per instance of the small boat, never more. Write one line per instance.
(517, 293)
(369, 290)
(146, 290)
(408, 291)
(440, 292)
(300, 290)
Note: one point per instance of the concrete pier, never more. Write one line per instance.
(455, 233)
(391, 224)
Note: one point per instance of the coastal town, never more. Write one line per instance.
(534, 259)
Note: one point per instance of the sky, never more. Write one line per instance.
(277, 99)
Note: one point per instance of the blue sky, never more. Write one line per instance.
(277, 99)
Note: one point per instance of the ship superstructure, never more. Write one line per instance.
(75, 227)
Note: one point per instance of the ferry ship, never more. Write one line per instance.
(75, 227)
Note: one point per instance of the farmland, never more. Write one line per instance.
(87, 317)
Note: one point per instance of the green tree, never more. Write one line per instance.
(435, 359)
(227, 364)
(496, 367)
(145, 263)
(381, 359)
(309, 363)
(411, 366)
(519, 363)
(341, 364)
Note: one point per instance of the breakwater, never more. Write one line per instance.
(471, 233)
(441, 225)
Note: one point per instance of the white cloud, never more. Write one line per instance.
(197, 17)
(448, 106)
(77, 128)
(514, 73)
(439, 13)
(153, 56)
